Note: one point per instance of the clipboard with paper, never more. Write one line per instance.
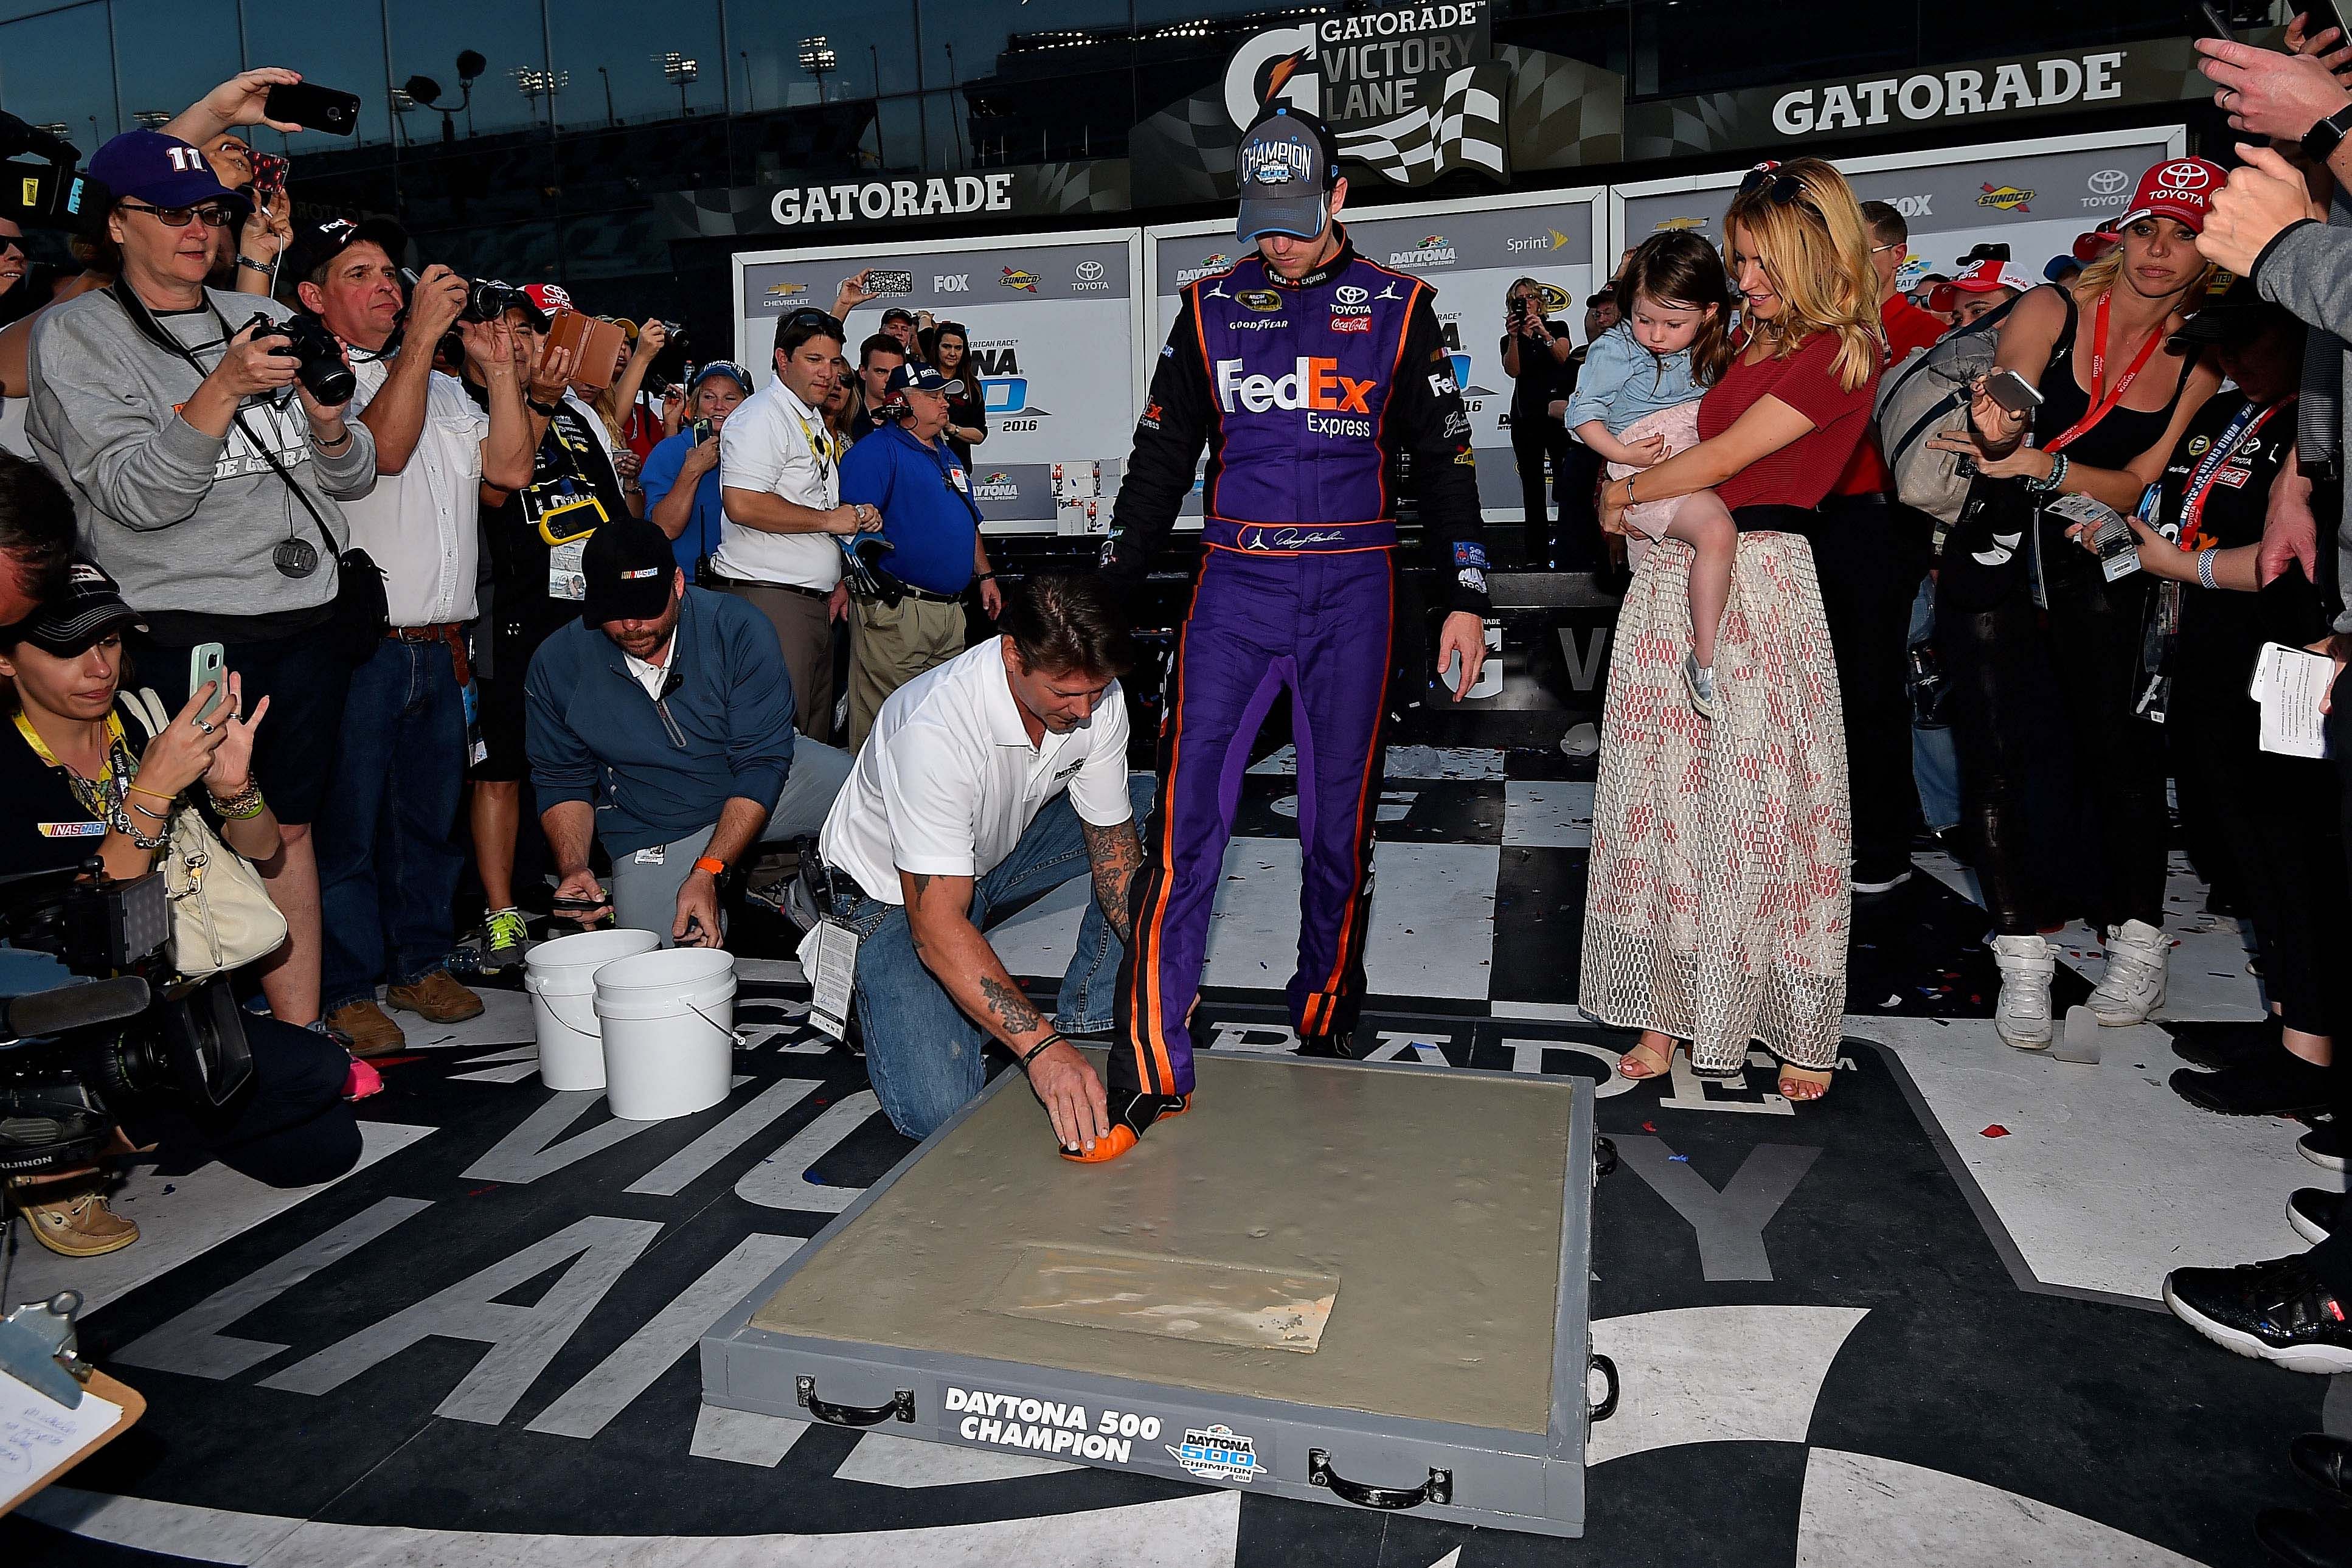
(56, 1410)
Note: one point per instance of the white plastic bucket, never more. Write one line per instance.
(668, 1024)
(560, 976)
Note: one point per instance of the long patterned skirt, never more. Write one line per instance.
(1718, 907)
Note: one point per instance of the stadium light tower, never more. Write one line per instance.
(817, 58)
(152, 118)
(680, 72)
(533, 83)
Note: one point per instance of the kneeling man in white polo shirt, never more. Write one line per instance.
(986, 781)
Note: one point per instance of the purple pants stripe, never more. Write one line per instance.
(1318, 627)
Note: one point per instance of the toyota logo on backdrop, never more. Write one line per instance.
(2108, 182)
(2182, 177)
(1088, 271)
(1349, 294)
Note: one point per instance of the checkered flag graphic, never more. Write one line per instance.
(1465, 130)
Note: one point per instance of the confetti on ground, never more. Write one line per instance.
(1995, 1130)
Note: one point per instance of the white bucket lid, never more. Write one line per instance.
(667, 970)
(590, 949)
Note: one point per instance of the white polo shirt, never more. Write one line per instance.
(423, 524)
(948, 781)
(776, 443)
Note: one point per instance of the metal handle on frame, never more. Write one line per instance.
(901, 1406)
(1608, 1406)
(1604, 1158)
(1438, 1488)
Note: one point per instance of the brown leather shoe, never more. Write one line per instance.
(436, 998)
(78, 1226)
(368, 1028)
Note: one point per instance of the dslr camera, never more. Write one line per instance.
(486, 297)
(125, 1026)
(320, 366)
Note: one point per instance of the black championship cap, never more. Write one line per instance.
(70, 623)
(1285, 167)
(315, 245)
(628, 562)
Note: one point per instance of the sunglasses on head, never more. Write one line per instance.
(809, 316)
(1780, 189)
(214, 216)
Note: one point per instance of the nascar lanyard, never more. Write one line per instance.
(820, 445)
(2249, 423)
(102, 795)
(2103, 401)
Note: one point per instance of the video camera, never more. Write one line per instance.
(126, 1025)
(43, 186)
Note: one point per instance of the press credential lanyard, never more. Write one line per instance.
(2249, 423)
(2104, 402)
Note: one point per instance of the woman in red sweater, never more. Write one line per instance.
(1716, 907)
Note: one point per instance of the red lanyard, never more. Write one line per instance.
(2102, 404)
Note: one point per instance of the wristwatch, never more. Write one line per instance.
(2320, 140)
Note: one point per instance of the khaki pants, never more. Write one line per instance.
(889, 647)
(806, 637)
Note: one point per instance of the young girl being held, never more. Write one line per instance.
(1636, 404)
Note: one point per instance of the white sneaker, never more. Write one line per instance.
(2022, 1016)
(1698, 681)
(2132, 986)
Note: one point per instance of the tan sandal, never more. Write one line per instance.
(1803, 1083)
(1643, 1054)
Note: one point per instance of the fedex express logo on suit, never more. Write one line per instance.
(1313, 384)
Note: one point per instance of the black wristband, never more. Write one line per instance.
(544, 410)
(1039, 1048)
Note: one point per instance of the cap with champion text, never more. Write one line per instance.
(628, 564)
(914, 375)
(70, 623)
(718, 367)
(1285, 167)
(548, 298)
(315, 245)
(160, 171)
(2180, 188)
(1983, 276)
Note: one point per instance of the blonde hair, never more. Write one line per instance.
(2101, 276)
(1816, 249)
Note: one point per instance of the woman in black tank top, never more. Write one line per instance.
(2061, 781)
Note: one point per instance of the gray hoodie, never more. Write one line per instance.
(2307, 268)
(184, 521)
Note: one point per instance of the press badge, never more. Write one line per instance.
(567, 575)
(959, 479)
(652, 855)
(828, 957)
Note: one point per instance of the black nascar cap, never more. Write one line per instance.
(315, 245)
(1285, 167)
(628, 562)
(69, 623)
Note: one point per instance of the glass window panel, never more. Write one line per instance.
(871, 41)
(339, 46)
(629, 42)
(170, 53)
(56, 69)
(428, 35)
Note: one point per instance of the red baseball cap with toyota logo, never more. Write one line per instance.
(549, 298)
(2181, 188)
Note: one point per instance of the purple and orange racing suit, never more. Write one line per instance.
(1301, 391)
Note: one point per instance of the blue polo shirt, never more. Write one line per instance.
(925, 497)
(659, 476)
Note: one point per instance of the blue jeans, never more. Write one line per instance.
(924, 1055)
(388, 857)
(1935, 762)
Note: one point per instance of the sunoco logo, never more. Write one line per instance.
(998, 486)
(1218, 1454)
(2008, 198)
(1432, 251)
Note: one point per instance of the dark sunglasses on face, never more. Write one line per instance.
(1778, 189)
(215, 217)
(9, 242)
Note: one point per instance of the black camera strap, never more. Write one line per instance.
(145, 321)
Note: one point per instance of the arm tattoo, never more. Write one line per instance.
(1116, 855)
(1012, 1011)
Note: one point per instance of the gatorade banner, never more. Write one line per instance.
(1053, 330)
(1469, 252)
(2032, 196)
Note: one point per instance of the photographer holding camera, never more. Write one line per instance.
(1535, 356)
(206, 459)
(388, 859)
(83, 775)
(681, 473)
